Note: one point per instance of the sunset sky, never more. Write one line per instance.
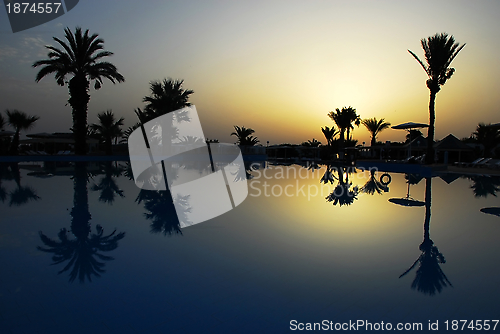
(276, 66)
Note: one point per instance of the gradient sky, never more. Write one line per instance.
(276, 66)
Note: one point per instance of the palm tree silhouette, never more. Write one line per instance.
(429, 277)
(344, 118)
(483, 186)
(166, 96)
(107, 185)
(79, 58)
(19, 121)
(373, 185)
(329, 134)
(161, 211)
(85, 250)
(312, 143)
(244, 136)
(375, 127)
(439, 52)
(108, 129)
(343, 194)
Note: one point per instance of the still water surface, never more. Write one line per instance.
(82, 249)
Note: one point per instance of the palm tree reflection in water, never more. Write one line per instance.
(107, 185)
(373, 185)
(85, 251)
(22, 194)
(429, 277)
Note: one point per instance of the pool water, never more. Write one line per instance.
(83, 250)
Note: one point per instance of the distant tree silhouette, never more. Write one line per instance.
(19, 121)
(439, 52)
(412, 134)
(488, 136)
(311, 143)
(429, 277)
(108, 129)
(244, 136)
(375, 127)
(80, 58)
(329, 134)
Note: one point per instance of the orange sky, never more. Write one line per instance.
(277, 67)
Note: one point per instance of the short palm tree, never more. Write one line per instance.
(244, 136)
(312, 143)
(375, 127)
(166, 96)
(19, 121)
(329, 134)
(488, 136)
(80, 58)
(439, 52)
(108, 129)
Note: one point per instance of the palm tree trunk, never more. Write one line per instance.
(14, 145)
(80, 222)
(373, 142)
(429, 159)
(109, 146)
(79, 99)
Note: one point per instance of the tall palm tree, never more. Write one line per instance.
(79, 58)
(19, 121)
(375, 127)
(244, 136)
(108, 129)
(439, 52)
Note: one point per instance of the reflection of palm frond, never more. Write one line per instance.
(22, 195)
(343, 195)
(373, 186)
(483, 186)
(82, 253)
(328, 176)
(429, 277)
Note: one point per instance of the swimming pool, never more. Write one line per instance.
(83, 250)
